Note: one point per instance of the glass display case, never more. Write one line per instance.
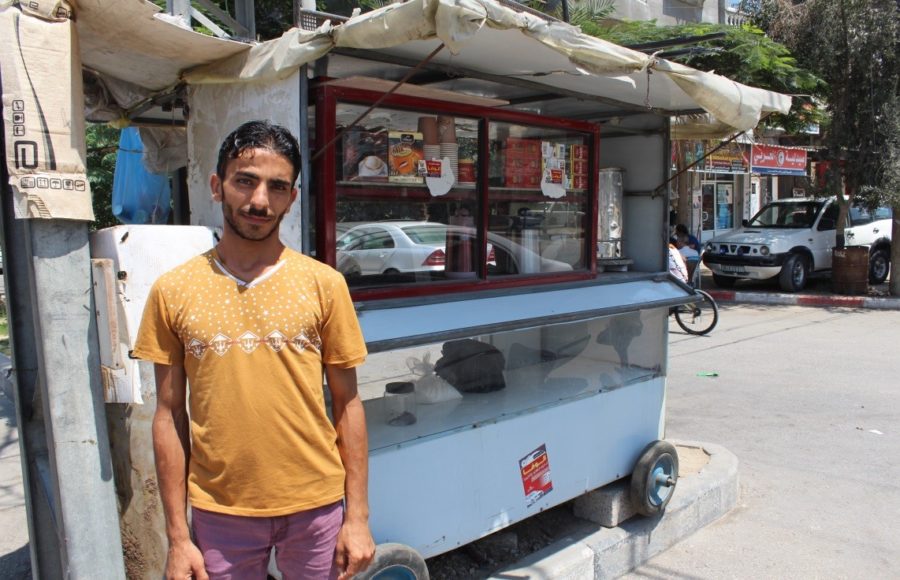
(459, 383)
(490, 407)
(420, 196)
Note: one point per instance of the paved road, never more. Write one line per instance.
(807, 398)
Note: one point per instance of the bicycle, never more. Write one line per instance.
(700, 317)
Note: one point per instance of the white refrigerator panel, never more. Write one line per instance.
(132, 258)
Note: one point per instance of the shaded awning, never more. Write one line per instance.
(133, 43)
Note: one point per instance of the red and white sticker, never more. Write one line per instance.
(535, 468)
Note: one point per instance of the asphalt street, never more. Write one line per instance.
(807, 398)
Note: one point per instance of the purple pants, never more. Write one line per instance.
(237, 547)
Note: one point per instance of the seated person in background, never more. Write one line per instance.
(677, 267)
(690, 255)
(684, 247)
(692, 242)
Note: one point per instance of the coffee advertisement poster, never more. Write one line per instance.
(405, 150)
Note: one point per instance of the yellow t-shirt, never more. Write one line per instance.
(262, 443)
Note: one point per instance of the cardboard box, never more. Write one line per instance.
(579, 152)
(578, 167)
(43, 104)
(523, 148)
(466, 171)
(522, 163)
(529, 181)
(522, 166)
(405, 150)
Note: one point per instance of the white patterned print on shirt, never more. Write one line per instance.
(249, 342)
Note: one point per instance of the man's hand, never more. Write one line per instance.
(355, 549)
(185, 561)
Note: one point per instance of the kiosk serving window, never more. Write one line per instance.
(421, 196)
(407, 198)
(537, 199)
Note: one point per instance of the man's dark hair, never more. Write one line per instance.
(259, 135)
(681, 229)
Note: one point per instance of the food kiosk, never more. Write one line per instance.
(452, 166)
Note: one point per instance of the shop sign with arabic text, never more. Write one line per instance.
(772, 160)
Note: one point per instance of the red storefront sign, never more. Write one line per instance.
(772, 160)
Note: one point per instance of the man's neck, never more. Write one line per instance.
(247, 259)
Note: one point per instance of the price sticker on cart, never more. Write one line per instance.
(535, 468)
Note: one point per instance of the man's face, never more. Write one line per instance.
(256, 192)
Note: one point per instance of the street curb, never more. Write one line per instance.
(805, 300)
(699, 500)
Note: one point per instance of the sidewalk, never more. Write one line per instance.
(818, 292)
(14, 551)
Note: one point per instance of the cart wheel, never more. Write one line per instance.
(654, 478)
(395, 562)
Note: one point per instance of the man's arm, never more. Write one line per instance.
(172, 448)
(355, 546)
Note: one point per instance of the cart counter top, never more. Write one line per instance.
(390, 324)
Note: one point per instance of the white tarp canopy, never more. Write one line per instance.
(128, 40)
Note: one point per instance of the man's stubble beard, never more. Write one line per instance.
(228, 213)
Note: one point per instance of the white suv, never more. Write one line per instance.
(791, 238)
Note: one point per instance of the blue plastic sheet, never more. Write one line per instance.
(138, 196)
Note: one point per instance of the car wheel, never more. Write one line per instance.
(724, 281)
(794, 273)
(879, 266)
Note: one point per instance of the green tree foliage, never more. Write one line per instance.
(102, 144)
(852, 44)
(744, 54)
(580, 11)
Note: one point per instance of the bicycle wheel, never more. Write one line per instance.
(698, 318)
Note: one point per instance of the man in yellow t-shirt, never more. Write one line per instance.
(251, 325)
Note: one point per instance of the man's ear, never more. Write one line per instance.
(215, 186)
(293, 199)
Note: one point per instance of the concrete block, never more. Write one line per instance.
(608, 506)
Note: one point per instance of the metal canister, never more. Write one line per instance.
(609, 215)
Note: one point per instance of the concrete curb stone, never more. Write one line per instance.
(826, 300)
(699, 500)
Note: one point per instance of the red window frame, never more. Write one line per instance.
(326, 100)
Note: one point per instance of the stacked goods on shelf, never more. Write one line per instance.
(428, 127)
(364, 155)
(404, 153)
(468, 157)
(553, 162)
(522, 163)
(578, 166)
(447, 139)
